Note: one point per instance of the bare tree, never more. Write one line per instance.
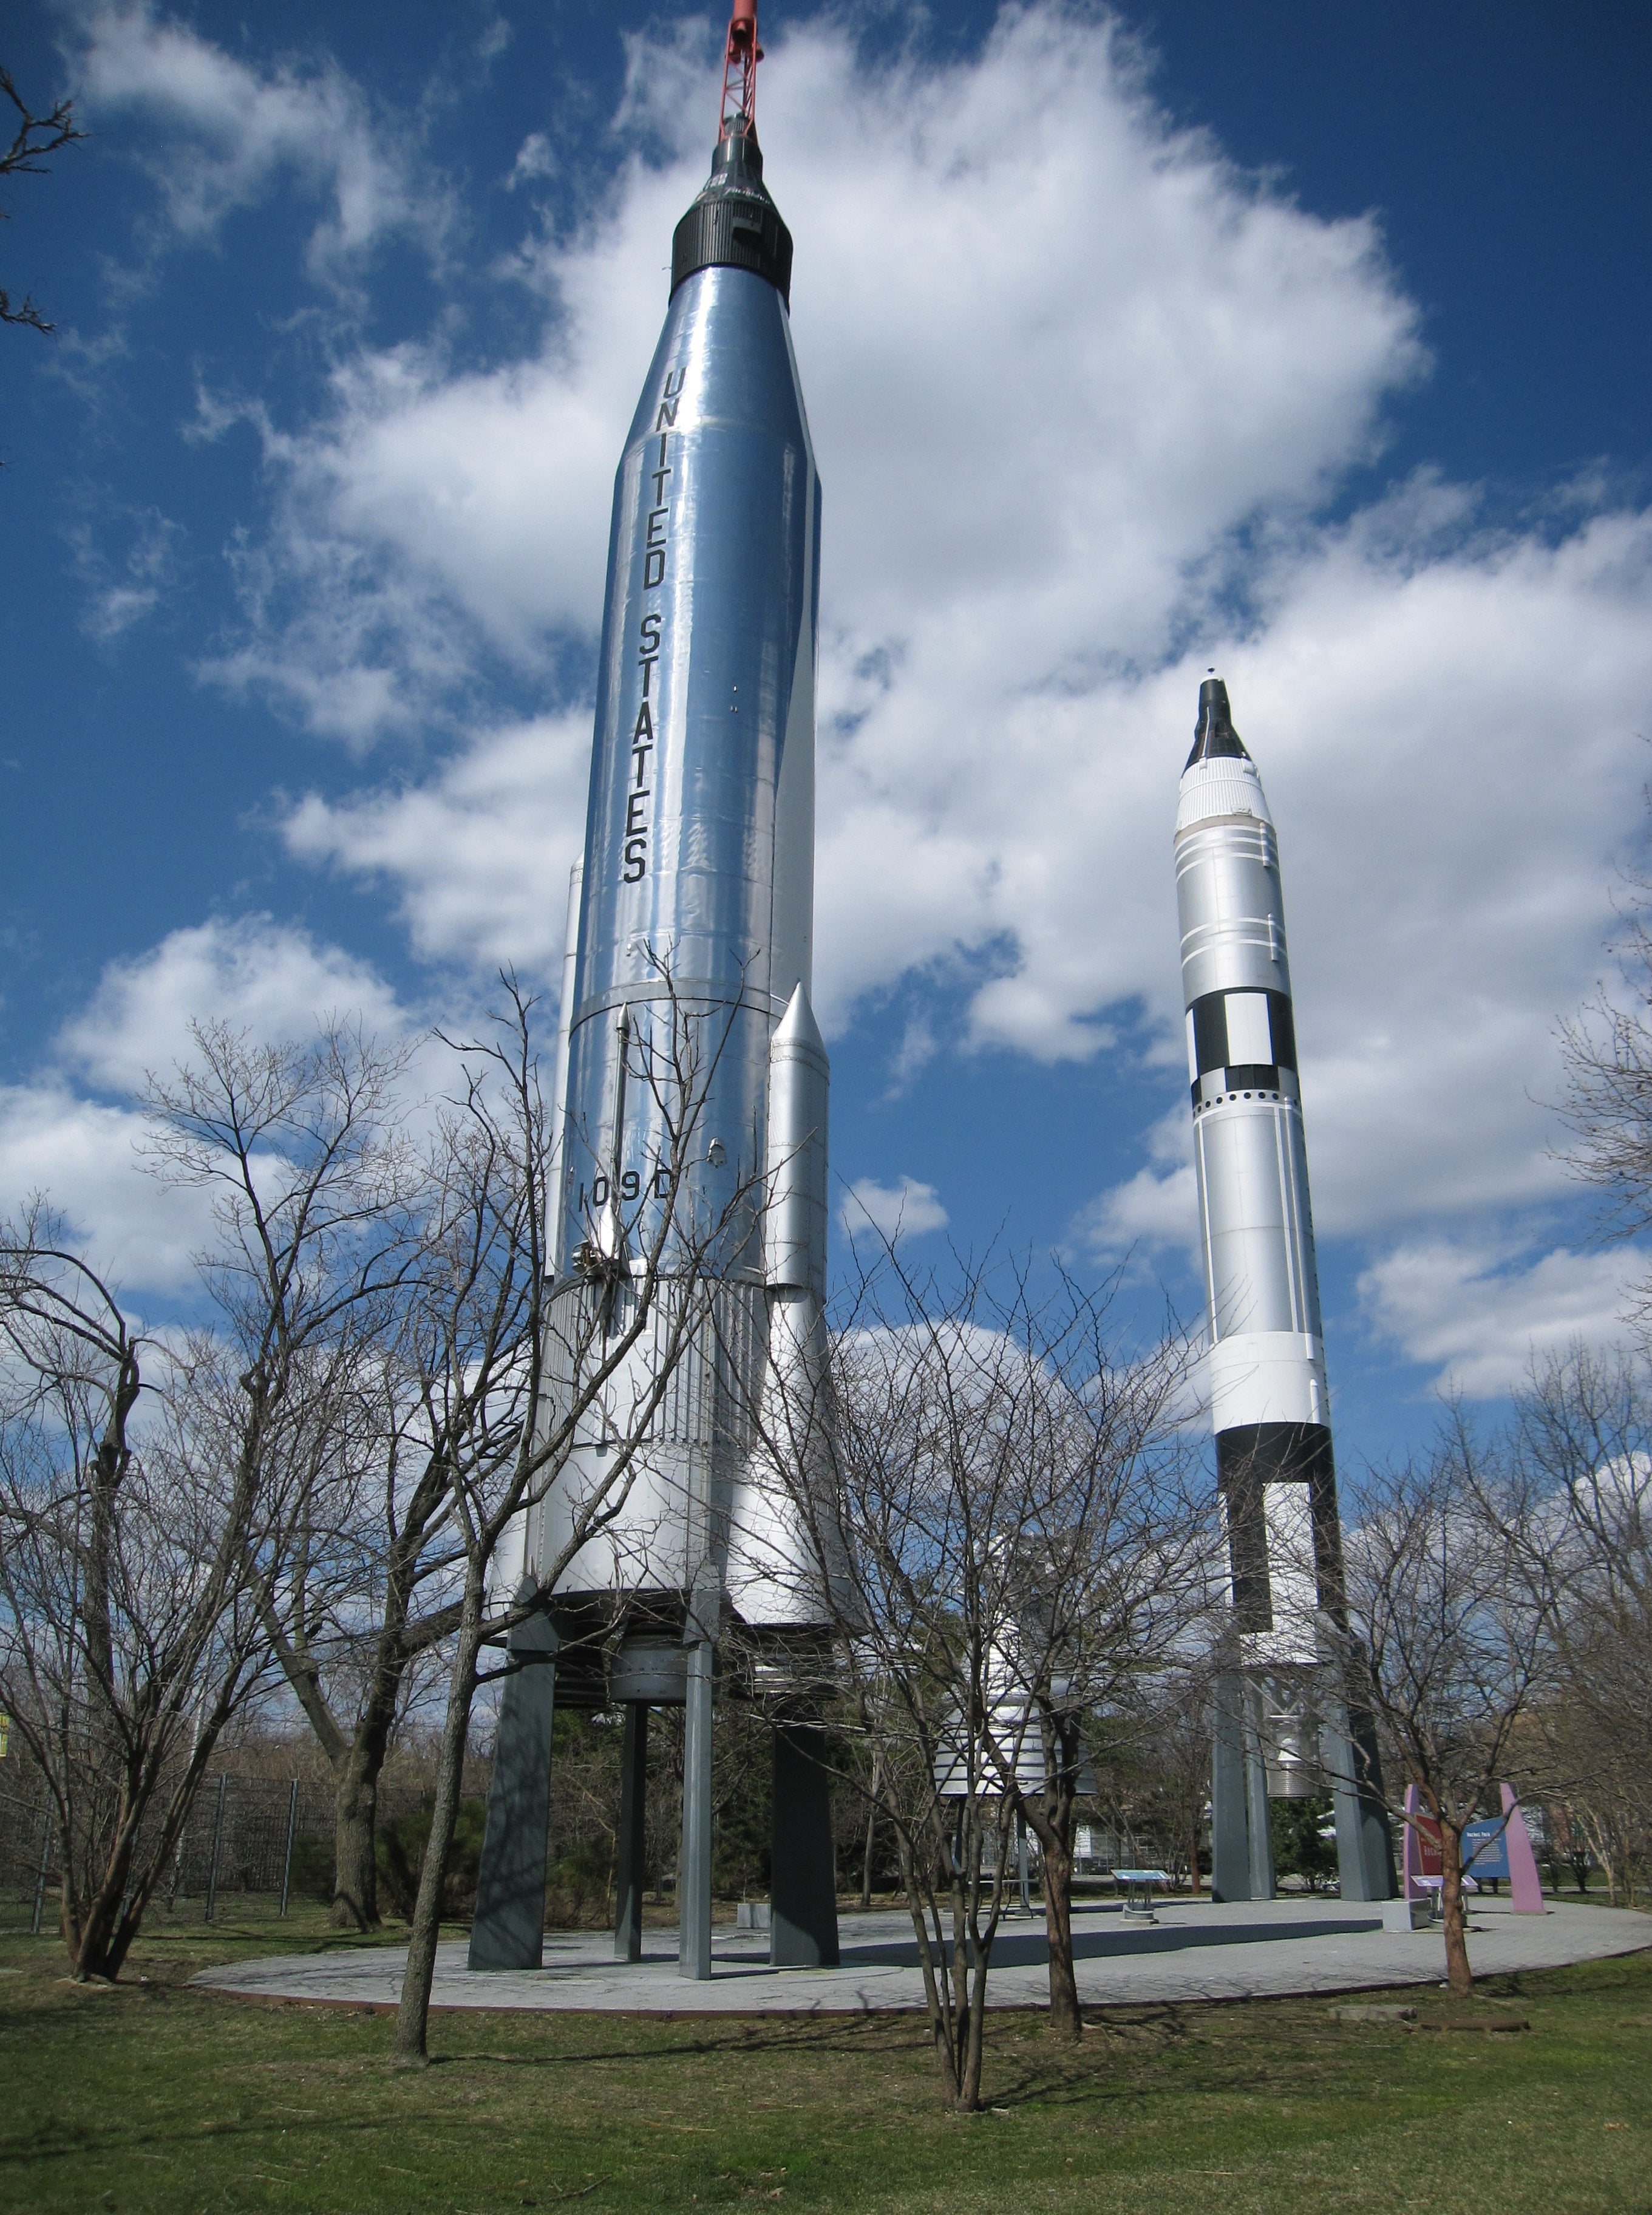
(135, 1520)
(34, 136)
(1173, 1752)
(358, 1621)
(1584, 1431)
(1009, 1543)
(517, 1366)
(1444, 1624)
(319, 1195)
(1606, 1053)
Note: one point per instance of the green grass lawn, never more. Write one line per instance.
(151, 2096)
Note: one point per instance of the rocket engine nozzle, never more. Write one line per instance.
(741, 57)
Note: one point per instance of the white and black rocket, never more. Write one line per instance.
(1284, 1722)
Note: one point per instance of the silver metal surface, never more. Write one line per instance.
(794, 1227)
(1252, 1165)
(1265, 1365)
(690, 980)
(698, 892)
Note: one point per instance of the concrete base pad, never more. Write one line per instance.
(1195, 1952)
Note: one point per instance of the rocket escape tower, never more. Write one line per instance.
(692, 915)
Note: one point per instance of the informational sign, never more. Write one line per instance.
(1485, 1848)
(1493, 1846)
(1431, 1861)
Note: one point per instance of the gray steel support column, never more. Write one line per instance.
(1376, 1833)
(628, 1854)
(694, 1860)
(1230, 1849)
(1255, 1801)
(1337, 1759)
(803, 1873)
(508, 1932)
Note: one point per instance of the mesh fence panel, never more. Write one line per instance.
(245, 1819)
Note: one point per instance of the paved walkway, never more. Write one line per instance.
(1194, 1951)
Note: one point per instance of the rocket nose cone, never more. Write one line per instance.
(734, 223)
(797, 1027)
(1215, 735)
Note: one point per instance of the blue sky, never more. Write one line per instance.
(1307, 342)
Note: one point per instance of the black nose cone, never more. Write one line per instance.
(1215, 734)
(734, 224)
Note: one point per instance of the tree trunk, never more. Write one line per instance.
(866, 1857)
(931, 1961)
(965, 1854)
(969, 2076)
(412, 2014)
(1193, 1861)
(1459, 1975)
(355, 1844)
(1066, 2022)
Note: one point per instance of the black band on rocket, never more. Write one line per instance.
(1251, 1029)
(1250, 1457)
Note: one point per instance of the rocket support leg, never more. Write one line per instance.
(1229, 1850)
(1365, 1848)
(803, 1875)
(1256, 1800)
(629, 1857)
(694, 1860)
(508, 1931)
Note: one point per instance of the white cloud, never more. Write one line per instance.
(124, 592)
(1150, 1209)
(479, 857)
(1479, 1313)
(270, 980)
(1077, 388)
(534, 158)
(59, 1139)
(905, 1209)
(224, 133)
(1156, 1208)
(1024, 451)
(71, 1132)
(82, 1155)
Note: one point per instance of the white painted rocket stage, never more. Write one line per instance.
(1284, 1722)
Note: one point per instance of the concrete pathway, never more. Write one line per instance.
(1193, 1951)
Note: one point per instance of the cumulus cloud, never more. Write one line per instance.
(83, 1154)
(266, 978)
(1037, 444)
(71, 1132)
(477, 857)
(224, 133)
(905, 1209)
(1481, 1312)
(1156, 1209)
(1080, 389)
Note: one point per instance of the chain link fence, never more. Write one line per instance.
(266, 1835)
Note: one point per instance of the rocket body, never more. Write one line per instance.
(1265, 1368)
(691, 1050)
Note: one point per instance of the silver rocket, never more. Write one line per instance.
(689, 1118)
(1288, 1723)
(1265, 1370)
(696, 907)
